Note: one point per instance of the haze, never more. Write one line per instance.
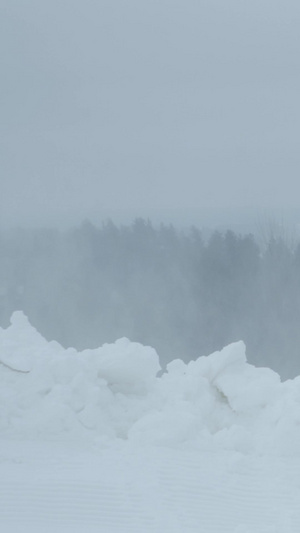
(139, 108)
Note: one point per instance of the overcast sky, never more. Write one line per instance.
(131, 106)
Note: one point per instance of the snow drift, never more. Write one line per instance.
(113, 392)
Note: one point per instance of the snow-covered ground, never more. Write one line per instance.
(96, 441)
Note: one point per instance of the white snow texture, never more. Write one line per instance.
(113, 392)
(102, 441)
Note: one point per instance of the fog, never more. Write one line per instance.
(160, 109)
(150, 173)
(177, 291)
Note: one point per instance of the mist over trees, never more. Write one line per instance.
(174, 290)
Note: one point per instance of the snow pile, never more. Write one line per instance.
(113, 392)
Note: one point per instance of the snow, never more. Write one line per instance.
(102, 440)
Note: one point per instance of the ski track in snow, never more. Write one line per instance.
(49, 487)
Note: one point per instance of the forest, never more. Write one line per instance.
(173, 289)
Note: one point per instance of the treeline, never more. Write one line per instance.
(172, 289)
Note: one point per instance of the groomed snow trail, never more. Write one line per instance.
(62, 487)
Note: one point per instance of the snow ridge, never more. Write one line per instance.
(113, 392)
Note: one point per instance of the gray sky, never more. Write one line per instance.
(137, 106)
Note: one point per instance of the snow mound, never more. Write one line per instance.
(113, 392)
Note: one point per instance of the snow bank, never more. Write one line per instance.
(113, 392)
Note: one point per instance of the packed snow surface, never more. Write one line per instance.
(102, 440)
